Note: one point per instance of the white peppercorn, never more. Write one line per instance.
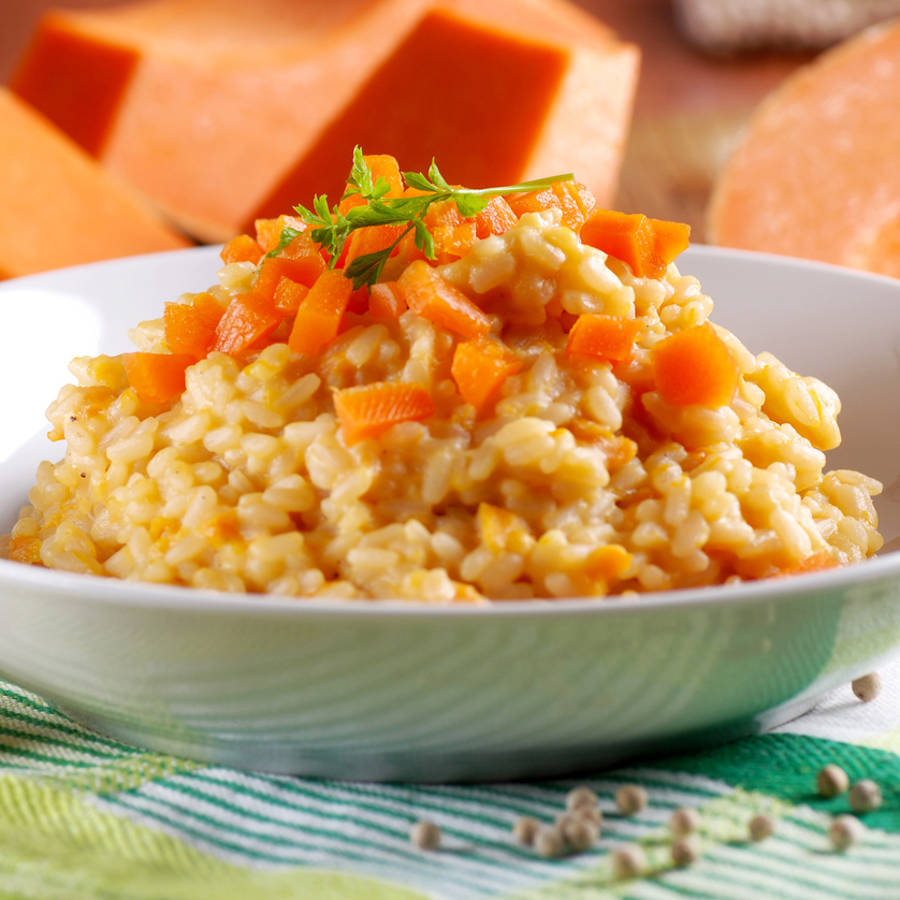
(581, 797)
(548, 842)
(865, 796)
(631, 799)
(525, 829)
(628, 861)
(579, 834)
(760, 827)
(684, 821)
(685, 850)
(868, 687)
(831, 781)
(425, 835)
(844, 831)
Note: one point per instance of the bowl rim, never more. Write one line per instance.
(170, 598)
(108, 591)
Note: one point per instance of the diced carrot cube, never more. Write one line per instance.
(241, 249)
(319, 315)
(572, 197)
(289, 295)
(385, 302)
(431, 296)
(603, 337)
(370, 410)
(694, 366)
(480, 367)
(191, 327)
(496, 218)
(157, 377)
(247, 320)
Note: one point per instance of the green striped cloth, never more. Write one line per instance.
(84, 817)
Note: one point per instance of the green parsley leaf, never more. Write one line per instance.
(331, 228)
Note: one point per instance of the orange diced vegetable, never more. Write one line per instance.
(816, 562)
(694, 366)
(381, 165)
(304, 266)
(359, 300)
(453, 241)
(480, 367)
(385, 302)
(157, 377)
(604, 337)
(247, 320)
(191, 327)
(319, 316)
(289, 295)
(645, 245)
(572, 197)
(370, 410)
(268, 231)
(371, 240)
(241, 249)
(496, 218)
(431, 296)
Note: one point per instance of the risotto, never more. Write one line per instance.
(531, 414)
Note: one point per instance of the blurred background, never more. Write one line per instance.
(705, 66)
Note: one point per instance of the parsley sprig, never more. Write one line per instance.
(331, 228)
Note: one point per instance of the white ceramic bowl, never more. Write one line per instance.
(391, 691)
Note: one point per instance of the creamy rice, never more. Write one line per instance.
(582, 482)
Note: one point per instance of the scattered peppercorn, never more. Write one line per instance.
(425, 835)
(844, 831)
(548, 842)
(760, 827)
(831, 781)
(629, 861)
(580, 834)
(685, 850)
(868, 687)
(631, 799)
(865, 796)
(581, 797)
(525, 829)
(684, 821)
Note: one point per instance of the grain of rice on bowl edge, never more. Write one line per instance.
(523, 417)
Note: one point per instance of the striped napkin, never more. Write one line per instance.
(84, 817)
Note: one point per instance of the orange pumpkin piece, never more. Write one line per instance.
(157, 377)
(385, 302)
(241, 249)
(304, 265)
(370, 410)
(268, 98)
(496, 218)
(815, 174)
(430, 295)
(247, 319)
(480, 367)
(268, 231)
(319, 315)
(381, 165)
(289, 295)
(694, 366)
(191, 327)
(57, 206)
(572, 197)
(603, 337)
(645, 245)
